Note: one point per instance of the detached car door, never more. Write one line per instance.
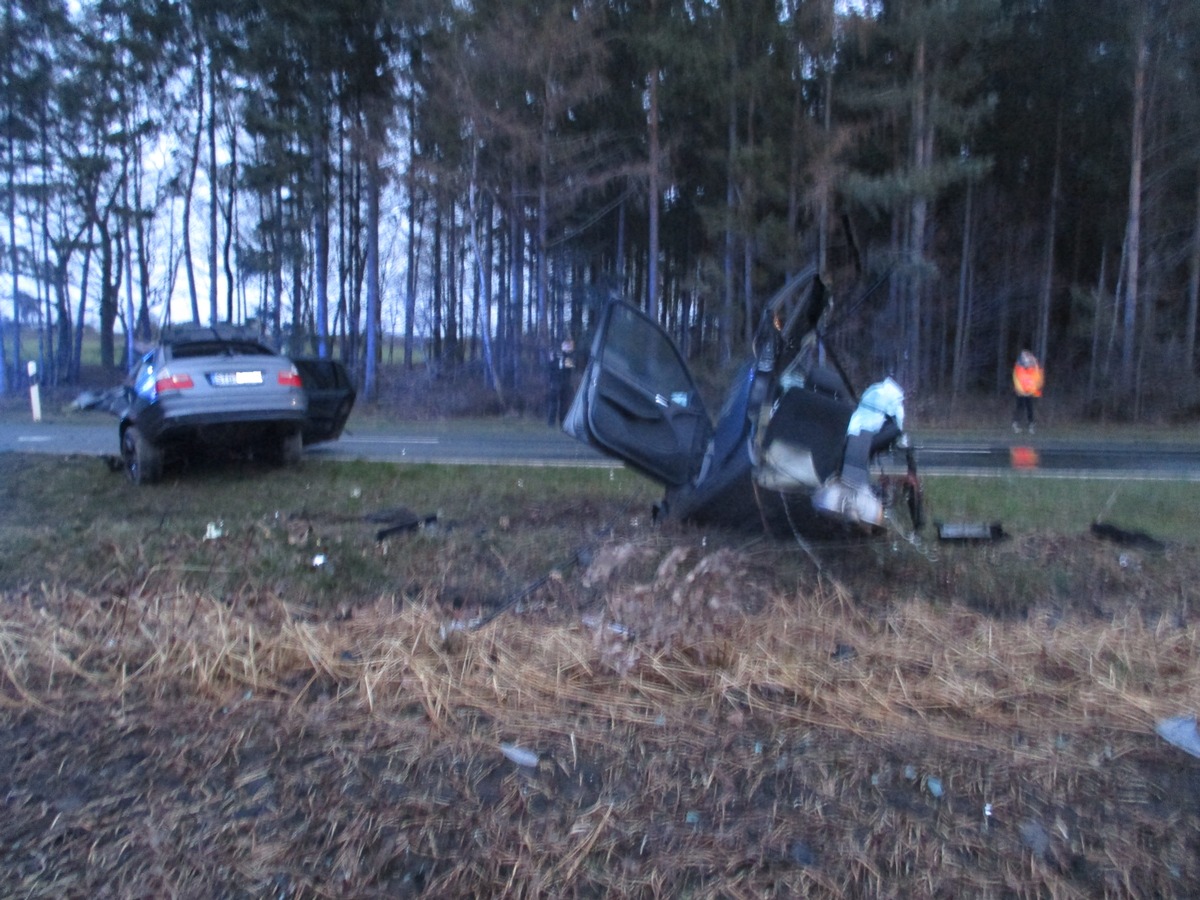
(637, 400)
(331, 397)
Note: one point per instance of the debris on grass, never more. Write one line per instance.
(399, 520)
(1127, 538)
(1180, 731)
(969, 531)
(520, 755)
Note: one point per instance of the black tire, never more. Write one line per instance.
(143, 461)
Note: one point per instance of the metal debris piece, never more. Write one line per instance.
(970, 531)
(399, 520)
(1180, 731)
(520, 755)
(113, 400)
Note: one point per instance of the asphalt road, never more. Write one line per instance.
(496, 444)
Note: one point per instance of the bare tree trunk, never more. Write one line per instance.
(128, 243)
(81, 318)
(726, 327)
(214, 312)
(516, 283)
(230, 228)
(1004, 316)
(438, 282)
(541, 325)
(962, 324)
(1193, 311)
(748, 248)
(130, 307)
(1134, 221)
(410, 281)
(143, 326)
(371, 352)
(295, 337)
(190, 184)
(922, 157)
(1043, 330)
(13, 250)
(453, 295)
(655, 163)
(108, 311)
(619, 264)
(823, 212)
(1097, 325)
(795, 152)
(321, 255)
(1114, 321)
(483, 290)
(276, 269)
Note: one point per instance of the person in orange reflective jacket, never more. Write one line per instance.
(1027, 384)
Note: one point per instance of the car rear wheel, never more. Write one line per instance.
(143, 461)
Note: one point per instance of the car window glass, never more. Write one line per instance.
(194, 349)
(636, 350)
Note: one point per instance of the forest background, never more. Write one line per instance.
(464, 181)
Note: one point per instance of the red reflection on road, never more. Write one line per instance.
(1024, 458)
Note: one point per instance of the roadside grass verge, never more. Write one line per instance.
(206, 711)
(237, 527)
(308, 534)
(1028, 503)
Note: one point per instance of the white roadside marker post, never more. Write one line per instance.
(35, 397)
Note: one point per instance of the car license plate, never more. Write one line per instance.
(231, 379)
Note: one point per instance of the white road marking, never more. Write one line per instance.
(370, 440)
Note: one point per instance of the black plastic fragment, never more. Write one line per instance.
(398, 521)
(1125, 538)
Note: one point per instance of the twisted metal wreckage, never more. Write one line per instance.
(794, 449)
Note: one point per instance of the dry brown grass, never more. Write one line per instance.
(700, 729)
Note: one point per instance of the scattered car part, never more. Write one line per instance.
(1181, 732)
(331, 396)
(969, 531)
(404, 521)
(1126, 538)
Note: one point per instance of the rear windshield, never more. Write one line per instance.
(192, 349)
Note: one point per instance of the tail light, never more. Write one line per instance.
(290, 378)
(168, 382)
